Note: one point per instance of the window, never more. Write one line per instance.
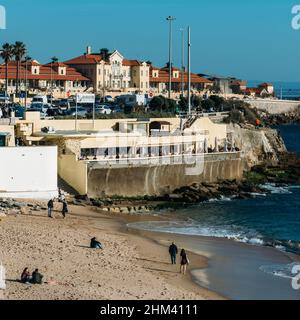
(142, 73)
(142, 83)
(146, 73)
(62, 71)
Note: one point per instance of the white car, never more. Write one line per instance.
(103, 109)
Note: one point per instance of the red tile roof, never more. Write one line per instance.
(45, 73)
(85, 59)
(131, 63)
(164, 77)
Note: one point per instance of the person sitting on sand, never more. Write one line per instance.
(25, 276)
(95, 244)
(184, 261)
(36, 277)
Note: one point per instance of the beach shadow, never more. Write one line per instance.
(160, 270)
(154, 261)
(81, 246)
(13, 280)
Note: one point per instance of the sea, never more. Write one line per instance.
(269, 220)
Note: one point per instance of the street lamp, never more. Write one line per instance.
(182, 61)
(27, 58)
(170, 19)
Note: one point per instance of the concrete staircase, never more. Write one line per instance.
(66, 189)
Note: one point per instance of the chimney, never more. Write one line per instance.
(88, 50)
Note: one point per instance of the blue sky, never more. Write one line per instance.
(252, 40)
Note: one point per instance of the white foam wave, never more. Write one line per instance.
(271, 187)
(283, 270)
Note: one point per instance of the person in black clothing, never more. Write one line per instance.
(36, 277)
(184, 261)
(64, 208)
(173, 252)
(95, 244)
(50, 208)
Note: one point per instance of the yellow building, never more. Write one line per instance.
(111, 72)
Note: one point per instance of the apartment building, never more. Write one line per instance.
(111, 72)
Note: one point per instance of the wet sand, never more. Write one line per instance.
(233, 268)
(131, 266)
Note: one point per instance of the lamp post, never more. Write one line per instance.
(189, 70)
(182, 62)
(27, 58)
(170, 19)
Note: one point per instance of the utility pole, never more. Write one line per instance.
(189, 70)
(170, 19)
(182, 62)
(27, 58)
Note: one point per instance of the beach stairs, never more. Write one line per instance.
(67, 190)
(189, 121)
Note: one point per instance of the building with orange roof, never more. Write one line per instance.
(56, 78)
(111, 72)
(159, 80)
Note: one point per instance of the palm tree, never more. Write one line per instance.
(19, 52)
(6, 55)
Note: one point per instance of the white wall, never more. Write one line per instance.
(28, 172)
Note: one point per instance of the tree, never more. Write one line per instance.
(157, 103)
(19, 52)
(183, 103)
(7, 54)
(196, 101)
(219, 102)
(208, 104)
(104, 53)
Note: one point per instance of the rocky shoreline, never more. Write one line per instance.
(292, 117)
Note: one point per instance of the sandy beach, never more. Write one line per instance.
(131, 266)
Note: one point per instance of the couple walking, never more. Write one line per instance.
(173, 251)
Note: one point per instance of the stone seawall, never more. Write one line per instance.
(274, 106)
(154, 180)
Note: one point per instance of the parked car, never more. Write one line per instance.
(81, 112)
(4, 98)
(54, 111)
(39, 106)
(117, 109)
(103, 109)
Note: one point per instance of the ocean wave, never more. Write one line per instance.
(275, 189)
(235, 233)
(221, 199)
(283, 271)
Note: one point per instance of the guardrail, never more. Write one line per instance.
(189, 159)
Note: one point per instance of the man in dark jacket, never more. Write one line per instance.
(50, 208)
(173, 252)
(36, 277)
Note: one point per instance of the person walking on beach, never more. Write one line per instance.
(64, 208)
(184, 261)
(50, 208)
(173, 252)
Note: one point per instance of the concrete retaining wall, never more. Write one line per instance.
(161, 179)
(274, 106)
